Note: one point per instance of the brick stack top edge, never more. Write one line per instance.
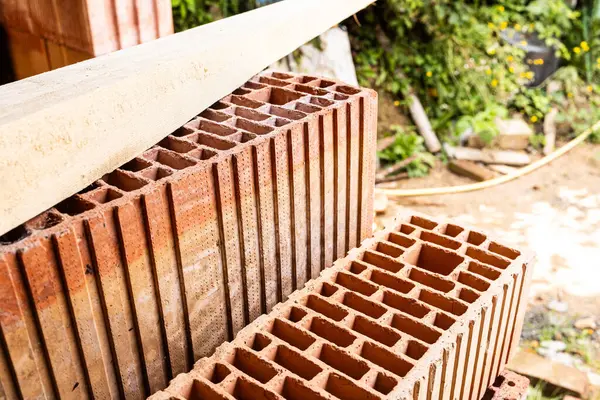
(373, 325)
(257, 111)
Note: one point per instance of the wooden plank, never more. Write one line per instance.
(62, 130)
(471, 170)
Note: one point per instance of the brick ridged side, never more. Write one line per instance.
(119, 288)
(424, 310)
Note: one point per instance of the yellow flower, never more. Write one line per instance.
(576, 50)
(538, 61)
(429, 74)
(598, 60)
(491, 25)
(569, 95)
(584, 46)
(488, 71)
(590, 89)
(503, 25)
(522, 74)
(509, 58)
(533, 119)
(491, 52)
(501, 8)
(511, 70)
(523, 42)
(494, 82)
(529, 75)
(397, 103)
(517, 27)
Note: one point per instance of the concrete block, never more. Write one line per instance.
(123, 286)
(425, 309)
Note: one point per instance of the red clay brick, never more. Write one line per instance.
(417, 312)
(121, 287)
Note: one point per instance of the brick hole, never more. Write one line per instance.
(253, 127)
(331, 332)
(241, 91)
(156, 173)
(296, 363)
(246, 390)
(279, 122)
(343, 362)
(306, 79)
(422, 222)
(468, 295)
(169, 159)
(295, 314)
(327, 290)
(452, 230)
(124, 181)
(485, 271)
(391, 281)
(443, 321)
(363, 306)
(476, 238)
(213, 127)
(400, 240)
(389, 249)
(431, 280)
(325, 84)
(384, 384)
(415, 350)
(487, 258)
(325, 308)
(104, 195)
(253, 366)
(385, 359)
(434, 259)
(405, 304)
(246, 102)
(253, 85)
(294, 390)
(406, 229)
(177, 145)
(340, 97)
(291, 335)
(281, 75)
(135, 165)
(214, 115)
(415, 329)
(345, 389)
(201, 391)
(45, 220)
(440, 240)
(356, 267)
(187, 129)
(219, 373)
(307, 108)
(219, 105)
(74, 206)
(286, 113)
(251, 114)
(202, 154)
(504, 251)
(272, 82)
(259, 342)
(442, 302)
(321, 102)
(212, 142)
(377, 332)
(312, 91)
(380, 261)
(89, 188)
(472, 281)
(15, 235)
(242, 137)
(354, 284)
(278, 96)
(347, 90)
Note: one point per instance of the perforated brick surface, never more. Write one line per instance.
(425, 310)
(507, 386)
(123, 286)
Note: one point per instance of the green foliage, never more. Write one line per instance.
(408, 144)
(537, 141)
(454, 55)
(483, 123)
(191, 13)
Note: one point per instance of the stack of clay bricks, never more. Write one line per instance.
(118, 289)
(45, 35)
(426, 309)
